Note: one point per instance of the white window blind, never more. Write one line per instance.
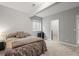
(36, 25)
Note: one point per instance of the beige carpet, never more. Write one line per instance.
(57, 49)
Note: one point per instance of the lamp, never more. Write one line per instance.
(2, 36)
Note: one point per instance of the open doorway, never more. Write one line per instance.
(55, 29)
(77, 29)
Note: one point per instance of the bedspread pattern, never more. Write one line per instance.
(33, 49)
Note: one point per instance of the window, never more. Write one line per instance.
(36, 25)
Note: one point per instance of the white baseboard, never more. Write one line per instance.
(69, 44)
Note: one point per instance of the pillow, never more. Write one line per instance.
(26, 34)
(21, 35)
(18, 35)
(11, 35)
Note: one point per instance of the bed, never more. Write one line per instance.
(23, 44)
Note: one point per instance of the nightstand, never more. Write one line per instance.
(2, 45)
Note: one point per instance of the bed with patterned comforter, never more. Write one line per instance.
(30, 46)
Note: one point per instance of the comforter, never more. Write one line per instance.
(31, 46)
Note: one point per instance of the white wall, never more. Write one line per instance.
(67, 25)
(12, 20)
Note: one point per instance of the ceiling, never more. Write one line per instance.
(58, 7)
(29, 8)
(41, 6)
(41, 9)
(25, 7)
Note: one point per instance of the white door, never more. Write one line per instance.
(77, 28)
(55, 29)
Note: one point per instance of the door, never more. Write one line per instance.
(77, 28)
(55, 29)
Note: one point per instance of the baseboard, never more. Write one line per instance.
(69, 44)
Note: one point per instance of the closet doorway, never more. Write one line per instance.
(55, 29)
(77, 29)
